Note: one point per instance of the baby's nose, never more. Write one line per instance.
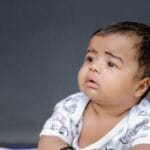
(95, 67)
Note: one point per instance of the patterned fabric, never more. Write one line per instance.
(66, 123)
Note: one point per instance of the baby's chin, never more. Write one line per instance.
(91, 93)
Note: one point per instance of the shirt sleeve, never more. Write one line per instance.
(142, 133)
(59, 124)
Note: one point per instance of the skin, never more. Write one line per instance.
(51, 143)
(109, 78)
(111, 60)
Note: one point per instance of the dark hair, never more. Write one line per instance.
(142, 31)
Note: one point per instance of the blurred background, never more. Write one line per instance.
(42, 45)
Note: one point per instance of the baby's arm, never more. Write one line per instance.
(57, 130)
(141, 147)
(51, 142)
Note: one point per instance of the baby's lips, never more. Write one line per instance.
(91, 83)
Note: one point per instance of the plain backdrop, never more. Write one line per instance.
(42, 45)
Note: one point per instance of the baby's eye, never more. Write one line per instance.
(111, 64)
(89, 59)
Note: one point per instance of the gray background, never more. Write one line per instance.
(42, 45)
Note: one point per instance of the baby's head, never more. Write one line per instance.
(105, 57)
(142, 32)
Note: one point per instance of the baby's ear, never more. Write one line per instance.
(142, 87)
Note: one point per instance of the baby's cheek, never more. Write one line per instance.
(79, 78)
(81, 74)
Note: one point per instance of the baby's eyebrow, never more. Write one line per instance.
(114, 56)
(92, 51)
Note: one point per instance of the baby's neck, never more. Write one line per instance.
(108, 111)
(98, 118)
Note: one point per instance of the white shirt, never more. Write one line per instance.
(66, 123)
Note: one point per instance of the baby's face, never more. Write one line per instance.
(108, 74)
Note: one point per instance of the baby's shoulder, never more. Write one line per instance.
(137, 125)
(74, 99)
(144, 107)
(140, 113)
(73, 104)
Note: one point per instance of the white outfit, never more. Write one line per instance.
(66, 123)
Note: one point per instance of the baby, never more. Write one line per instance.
(111, 111)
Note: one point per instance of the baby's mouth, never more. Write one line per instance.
(92, 81)
(91, 84)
